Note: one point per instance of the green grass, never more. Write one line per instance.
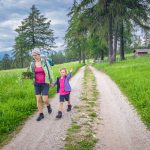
(17, 99)
(133, 78)
(93, 114)
(126, 55)
(82, 145)
(74, 128)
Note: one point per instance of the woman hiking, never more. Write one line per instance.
(43, 77)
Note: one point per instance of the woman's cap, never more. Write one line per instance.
(36, 51)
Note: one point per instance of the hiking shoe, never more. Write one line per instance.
(49, 109)
(69, 108)
(40, 117)
(59, 115)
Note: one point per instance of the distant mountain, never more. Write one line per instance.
(2, 53)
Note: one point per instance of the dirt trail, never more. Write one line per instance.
(120, 127)
(49, 133)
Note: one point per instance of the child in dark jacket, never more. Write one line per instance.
(64, 89)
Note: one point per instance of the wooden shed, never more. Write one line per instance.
(140, 52)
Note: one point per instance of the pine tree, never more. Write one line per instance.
(112, 18)
(34, 32)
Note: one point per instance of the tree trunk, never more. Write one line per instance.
(122, 42)
(33, 32)
(110, 38)
(115, 43)
(83, 57)
(21, 62)
(102, 54)
(80, 55)
(95, 58)
(21, 57)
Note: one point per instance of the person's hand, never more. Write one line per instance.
(52, 85)
(71, 69)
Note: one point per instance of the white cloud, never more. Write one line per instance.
(57, 21)
(57, 17)
(60, 46)
(4, 36)
(13, 24)
(6, 48)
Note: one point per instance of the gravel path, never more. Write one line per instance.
(120, 127)
(49, 133)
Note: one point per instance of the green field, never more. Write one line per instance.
(133, 78)
(17, 100)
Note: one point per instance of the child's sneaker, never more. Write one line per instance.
(69, 108)
(59, 114)
(49, 109)
(40, 117)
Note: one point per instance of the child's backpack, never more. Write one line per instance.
(50, 61)
(47, 59)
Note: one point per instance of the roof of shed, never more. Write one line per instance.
(142, 50)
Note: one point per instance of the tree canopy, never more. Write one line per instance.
(97, 27)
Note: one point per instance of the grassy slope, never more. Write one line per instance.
(133, 78)
(17, 100)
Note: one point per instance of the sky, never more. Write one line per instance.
(12, 12)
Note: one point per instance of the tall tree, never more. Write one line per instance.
(20, 52)
(112, 16)
(34, 31)
(76, 34)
